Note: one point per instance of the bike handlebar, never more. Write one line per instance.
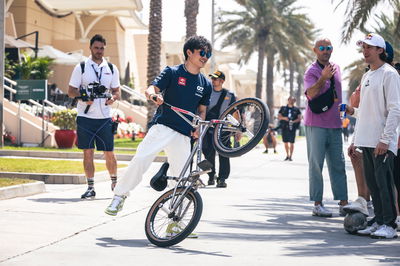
(197, 119)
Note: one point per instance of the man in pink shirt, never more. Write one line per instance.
(323, 130)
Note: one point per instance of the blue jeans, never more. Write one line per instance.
(326, 143)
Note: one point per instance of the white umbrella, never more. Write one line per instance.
(58, 56)
(10, 41)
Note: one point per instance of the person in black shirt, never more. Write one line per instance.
(289, 117)
(220, 99)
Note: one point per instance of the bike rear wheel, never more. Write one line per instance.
(164, 229)
(252, 117)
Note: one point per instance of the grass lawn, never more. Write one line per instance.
(5, 182)
(118, 143)
(46, 166)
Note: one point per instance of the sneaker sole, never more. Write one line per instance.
(382, 237)
(319, 215)
(110, 213)
(84, 198)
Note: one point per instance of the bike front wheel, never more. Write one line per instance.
(249, 119)
(164, 228)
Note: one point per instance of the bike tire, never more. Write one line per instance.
(253, 123)
(158, 221)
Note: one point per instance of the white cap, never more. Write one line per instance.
(374, 40)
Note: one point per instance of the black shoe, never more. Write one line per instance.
(266, 151)
(287, 159)
(211, 181)
(90, 193)
(221, 183)
(290, 159)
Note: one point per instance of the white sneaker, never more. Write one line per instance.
(359, 205)
(384, 231)
(369, 230)
(398, 223)
(116, 205)
(321, 211)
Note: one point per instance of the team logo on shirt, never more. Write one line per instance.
(199, 91)
(182, 81)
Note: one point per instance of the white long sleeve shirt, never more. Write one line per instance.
(378, 116)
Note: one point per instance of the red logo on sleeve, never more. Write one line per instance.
(182, 81)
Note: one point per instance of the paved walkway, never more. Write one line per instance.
(262, 218)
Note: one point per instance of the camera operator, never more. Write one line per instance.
(95, 83)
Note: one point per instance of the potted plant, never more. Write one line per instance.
(66, 121)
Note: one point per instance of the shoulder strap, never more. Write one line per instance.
(82, 67)
(222, 97)
(332, 83)
(111, 67)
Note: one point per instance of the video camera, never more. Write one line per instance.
(93, 91)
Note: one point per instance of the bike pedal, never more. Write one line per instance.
(205, 165)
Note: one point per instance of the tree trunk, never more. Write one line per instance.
(291, 77)
(260, 66)
(270, 83)
(299, 89)
(154, 48)
(191, 11)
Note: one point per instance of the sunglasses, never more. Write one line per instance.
(328, 48)
(205, 54)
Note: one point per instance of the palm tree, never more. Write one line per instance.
(154, 48)
(385, 27)
(356, 70)
(247, 30)
(357, 14)
(191, 11)
(289, 42)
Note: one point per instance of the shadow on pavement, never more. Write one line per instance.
(108, 242)
(289, 221)
(65, 200)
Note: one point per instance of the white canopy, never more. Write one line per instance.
(59, 56)
(125, 10)
(12, 42)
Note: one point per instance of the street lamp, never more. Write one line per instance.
(36, 49)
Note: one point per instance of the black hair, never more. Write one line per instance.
(397, 66)
(97, 38)
(384, 58)
(196, 42)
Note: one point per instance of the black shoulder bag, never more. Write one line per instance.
(324, 102)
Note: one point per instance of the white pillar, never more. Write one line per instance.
(2, 17)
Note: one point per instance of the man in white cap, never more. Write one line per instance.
(378, 117)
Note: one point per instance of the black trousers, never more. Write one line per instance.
(209, 154)
(378, 173)
(396, 175)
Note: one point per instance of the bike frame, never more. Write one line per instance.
(204, 125)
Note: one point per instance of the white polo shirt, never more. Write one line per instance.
(98, 110)
(378, 115)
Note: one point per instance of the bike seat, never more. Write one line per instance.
(159, 181)
(205, 165)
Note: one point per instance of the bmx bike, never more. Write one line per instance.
(176, 213)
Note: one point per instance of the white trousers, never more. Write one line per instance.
(158, 138)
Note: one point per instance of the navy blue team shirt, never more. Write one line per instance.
(180, 89)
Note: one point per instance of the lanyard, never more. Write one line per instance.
(97, 74)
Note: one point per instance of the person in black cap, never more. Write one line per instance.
(220, 99)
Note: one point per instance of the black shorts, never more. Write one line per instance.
(95, 131)
(288, 135)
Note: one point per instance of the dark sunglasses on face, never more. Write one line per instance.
(205, 54)
(328, 48)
